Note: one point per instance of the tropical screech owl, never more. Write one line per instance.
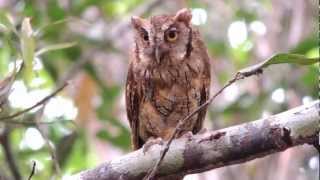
(168, 77)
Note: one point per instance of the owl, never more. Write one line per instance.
(168, 77)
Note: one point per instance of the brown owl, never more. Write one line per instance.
(168, 77)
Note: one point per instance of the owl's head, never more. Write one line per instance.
(163, 37)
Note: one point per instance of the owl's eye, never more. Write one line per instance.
(144, 34)
(172, 35)
(145, 37)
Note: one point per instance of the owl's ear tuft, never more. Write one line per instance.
(137, 22)
(183, 15)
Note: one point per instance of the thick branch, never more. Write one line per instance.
(214, 149)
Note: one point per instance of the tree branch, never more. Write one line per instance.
(41, 102)
(6, 144)
(214, 149)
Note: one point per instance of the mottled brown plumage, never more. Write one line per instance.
(168, 77)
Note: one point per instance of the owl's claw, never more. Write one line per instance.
(187, 135)
(151, 141)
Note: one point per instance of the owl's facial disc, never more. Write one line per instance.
(163, 36)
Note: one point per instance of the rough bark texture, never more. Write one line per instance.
(213, 149)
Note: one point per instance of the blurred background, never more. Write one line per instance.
(86, 124)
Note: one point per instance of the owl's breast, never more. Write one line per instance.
(169, 93)
(173, 92)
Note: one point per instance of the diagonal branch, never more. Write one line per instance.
(51, 147)
(214, 149)
(41, 102)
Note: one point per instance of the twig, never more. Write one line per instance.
(32, 123)
(44, 100)
(37, 123)
(239, 75)
(32, 170)
(5, 142)
(51, 148)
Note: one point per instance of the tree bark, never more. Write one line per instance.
(213, 149)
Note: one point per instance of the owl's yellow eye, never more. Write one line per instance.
(172, 35)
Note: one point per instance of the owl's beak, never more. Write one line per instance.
(158, 54)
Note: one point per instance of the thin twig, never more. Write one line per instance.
(50, 146)
(5, 142)
(181, 122)
(32, 123)
(32, 170)
(41, 102)
(38, 123)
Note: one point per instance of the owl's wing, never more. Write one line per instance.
(204, 95)
(133, 99)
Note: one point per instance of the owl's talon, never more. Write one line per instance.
(151, 142)
(187, 135)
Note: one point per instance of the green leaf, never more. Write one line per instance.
(28, 49)
(298, 59)
(290, 59)
(55, 47)
(313, 53)
(6, 22)
(305, 45)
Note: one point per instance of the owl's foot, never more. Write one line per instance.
(151, 141)
(187, 135)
